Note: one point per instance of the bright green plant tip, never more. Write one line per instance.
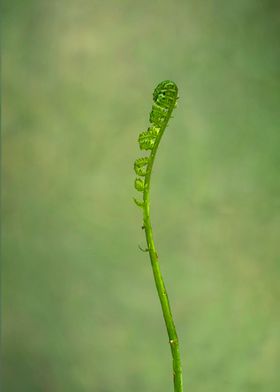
(164, 102)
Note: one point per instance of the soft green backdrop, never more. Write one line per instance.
(80, 312)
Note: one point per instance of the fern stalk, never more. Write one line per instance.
(165, 97)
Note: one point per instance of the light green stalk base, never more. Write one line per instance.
(163, 297)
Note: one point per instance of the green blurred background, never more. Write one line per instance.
(80, 312)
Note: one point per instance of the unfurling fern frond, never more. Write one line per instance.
(158, 115)
(146, 140)
(138, 202)
(139, 184)
(165, 96)
(164, 101)
(140, 166)
(165, 93)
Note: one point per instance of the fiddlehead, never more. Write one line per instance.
(164, 101)
(164, 97)
(140, 166)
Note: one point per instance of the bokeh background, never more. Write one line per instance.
(80, 312)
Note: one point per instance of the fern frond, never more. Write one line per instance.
(146, 140)
(166, 89)
(138, 202)
(140, 166)
(164, 102)
(139, 184)
(158, 115)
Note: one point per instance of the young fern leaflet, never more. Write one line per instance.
(165, 97)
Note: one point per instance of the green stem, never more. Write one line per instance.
(161, 290)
